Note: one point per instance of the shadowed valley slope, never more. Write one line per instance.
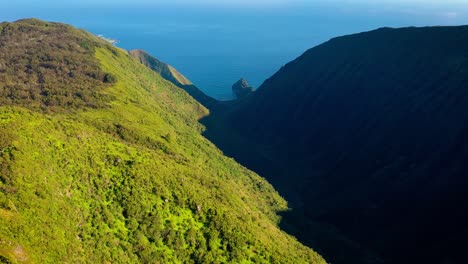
(366, 135)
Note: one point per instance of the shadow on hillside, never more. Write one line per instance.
(327, 240)
(348, 235)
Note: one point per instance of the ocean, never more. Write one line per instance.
(214, 47)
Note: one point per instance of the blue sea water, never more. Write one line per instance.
(214, 47)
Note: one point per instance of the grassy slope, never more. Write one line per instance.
(165, 70)
(171, 74)
(131, 182)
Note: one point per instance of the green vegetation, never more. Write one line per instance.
(48, 65)
(169, 73)
(165, 70)
(123, 174)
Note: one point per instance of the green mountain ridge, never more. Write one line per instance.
(102, 161)
(171, 74)
(165, 70)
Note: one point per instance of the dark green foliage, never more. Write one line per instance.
(49, 66)
(367, 136)
(109, 78)
(4, 260)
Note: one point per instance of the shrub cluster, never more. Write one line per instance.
(48, 66)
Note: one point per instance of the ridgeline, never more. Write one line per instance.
(102, 161)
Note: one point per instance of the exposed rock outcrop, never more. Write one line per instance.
(242, 88)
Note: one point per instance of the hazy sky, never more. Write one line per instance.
(240, 3)
(448, 9)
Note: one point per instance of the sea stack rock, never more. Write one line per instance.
(241, 88)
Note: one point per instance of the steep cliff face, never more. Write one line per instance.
(241, 88)
(367, 133)
(171, 74)
(165, 70)
(102, 161)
